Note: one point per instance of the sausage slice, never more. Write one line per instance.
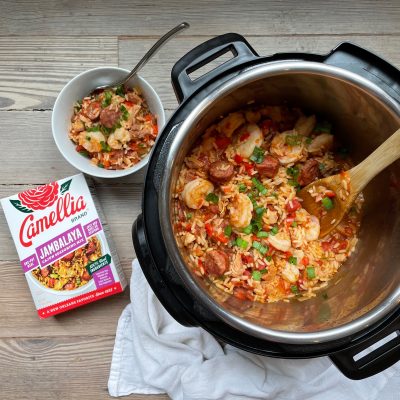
(309, 172)
(216, 262)
(268, 167)
(93, 110)
(221, 171)
(109, 116)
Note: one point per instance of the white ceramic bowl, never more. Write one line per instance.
(77, 89)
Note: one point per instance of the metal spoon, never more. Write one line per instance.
(160, 42)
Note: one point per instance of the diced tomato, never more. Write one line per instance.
(293, 205)
(188, 227)
(245, 136)
(238, 159)
(209, 229)
(51, 282)
(79, 148)
(129, 103)
(106, 163)
(148, 117)
(305, 261)
(288, 254)
(222, 142)
(240, 293)
(248, 167)
(246, 272)
(222, 238)
(155, 129)
(330, 193)
(200, 263)
(247, 259)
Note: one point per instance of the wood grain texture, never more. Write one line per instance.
(158, 70)
(48, 368)
(258, 17)
(34, 70)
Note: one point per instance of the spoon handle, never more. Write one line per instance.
(384, 155)
(156, 46)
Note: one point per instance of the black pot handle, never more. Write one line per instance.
(367, 64)
(202, 55)
(377, 360)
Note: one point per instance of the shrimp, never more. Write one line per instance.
(312, 228)
(321, 144)
(305, 125)
(194, 193)
(91, 141)
(254, 138)
(290, 273)
(241, 211)
(117, 139)
(230, 123)
(237, 267)
(280, 241)
(288, 147)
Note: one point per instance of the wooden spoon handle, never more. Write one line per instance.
(384, 155)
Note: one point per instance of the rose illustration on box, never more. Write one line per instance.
(40, 198)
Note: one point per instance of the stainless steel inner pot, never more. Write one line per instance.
(367, 286)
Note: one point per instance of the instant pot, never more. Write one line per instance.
(360, 93)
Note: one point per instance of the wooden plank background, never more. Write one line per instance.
(43, 44)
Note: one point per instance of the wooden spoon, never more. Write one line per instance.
(346, 186)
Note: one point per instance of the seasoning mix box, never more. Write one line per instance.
(66, 252)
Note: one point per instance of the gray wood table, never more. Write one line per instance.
(45, 43)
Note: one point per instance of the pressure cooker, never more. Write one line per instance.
(360, 93)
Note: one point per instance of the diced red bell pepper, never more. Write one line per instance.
(209, 229)
(238, 159)
(247, 259)
(293, 205)
(305, 261)
(248, 167)
(330, 193)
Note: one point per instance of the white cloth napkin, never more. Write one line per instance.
(155, 354)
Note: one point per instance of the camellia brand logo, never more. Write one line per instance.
(41, 198)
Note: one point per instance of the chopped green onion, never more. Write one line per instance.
(107, 99)
(84, 153)
(323, 126)
(256, 225)
(308, 140)
(293, 183)
(256, 275)
(248, 229)
(100, 165)
(293, 140)
(327, 203)
(262, 234)
(294, 289)
(228, 231)
(125, 113)
(268, 258)
(293, 260)
(88, 138)
(264, 271)
(189, 216)
(258, 155)
(274, 230)
(294, 224)
(242, 188)
(260, 210)
(253, 200)
(259, 186)
(93, 129)
(54, 276)
(105, 147)
(321, 167)
(241, 243)
(261, 248)
(120, 91)
(293, 171)
(212, 198)
(310, 272)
